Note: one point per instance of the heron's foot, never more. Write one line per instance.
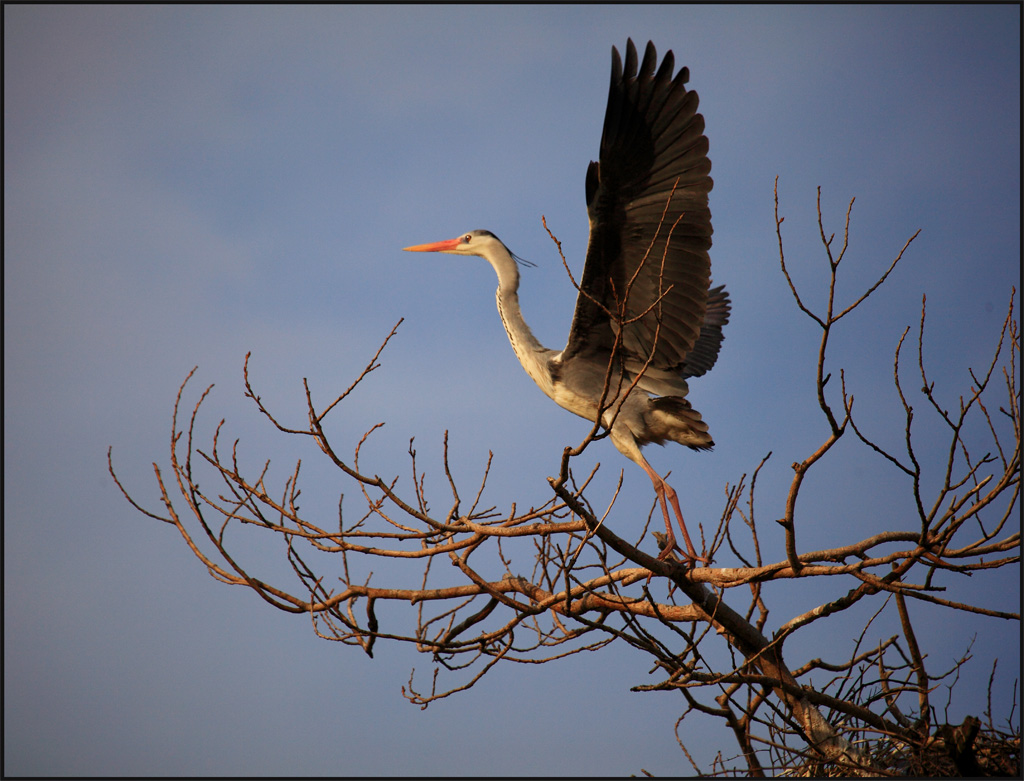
(670, 551)
(684, 558)
(695, 560)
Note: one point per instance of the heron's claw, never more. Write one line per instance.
(670, 551)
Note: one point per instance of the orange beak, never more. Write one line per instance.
(437, 246)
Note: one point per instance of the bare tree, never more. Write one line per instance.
(583, 587)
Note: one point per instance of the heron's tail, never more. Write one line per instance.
(672, 417)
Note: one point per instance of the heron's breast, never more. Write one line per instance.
(578, 403)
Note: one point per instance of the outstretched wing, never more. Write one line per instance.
(647, 271)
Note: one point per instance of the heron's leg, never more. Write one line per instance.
(670, 537)
(679, 515)
(664, 490)
(626, 443)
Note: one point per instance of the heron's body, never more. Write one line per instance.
(646, 316)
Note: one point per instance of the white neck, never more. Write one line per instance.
(531, 353)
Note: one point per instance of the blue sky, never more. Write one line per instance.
(185, 184)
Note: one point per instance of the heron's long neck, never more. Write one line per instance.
(531, 353)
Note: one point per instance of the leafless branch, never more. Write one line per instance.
(369, 577)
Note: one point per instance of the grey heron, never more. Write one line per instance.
(647, 318)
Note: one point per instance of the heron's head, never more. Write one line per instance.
(481, 243)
